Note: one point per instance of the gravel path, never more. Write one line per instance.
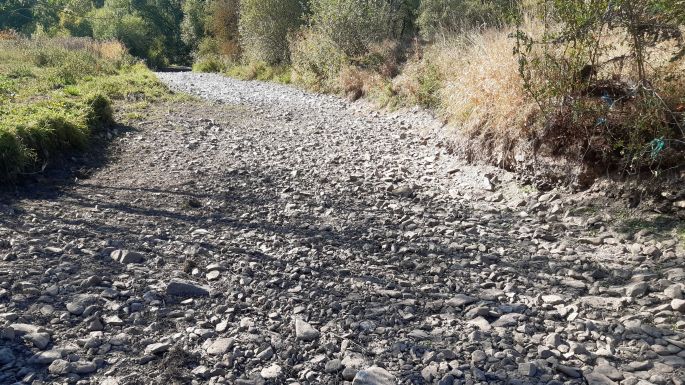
(271, 236)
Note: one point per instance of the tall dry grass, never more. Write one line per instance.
(482, 92)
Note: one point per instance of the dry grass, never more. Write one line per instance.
(482, 91)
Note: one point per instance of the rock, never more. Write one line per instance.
(678, 305)
(348, 374)
(6, 356)
(460, 300)
(213, 275)
(40, 340)
(60, 367)
(478, 357)
(266, 354)
(155, 348)
(448, 379)
(333, 366)
(81, 367)
(305, 331)
(272, 372)
(127, 256)
(553, 299)
(527, 369)
(183, 288)
(373, 376)
(598, 379)
(608, 371)
(553, 340)
(674, 291)
(46, 357)
(637, 290)
(568, 371)
(220, 346)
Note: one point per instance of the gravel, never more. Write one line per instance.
(264, 235)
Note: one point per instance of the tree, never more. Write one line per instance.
(193, 24)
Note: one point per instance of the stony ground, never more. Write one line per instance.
(269, 236)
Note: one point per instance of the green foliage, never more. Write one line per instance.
(443, 17)
(193, 24)
(352, 25)
(210, 63)
(316, 61)
(264, 27)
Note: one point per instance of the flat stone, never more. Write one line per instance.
(46, 357)
(333, 366)
(305, 331)
(637, 290)
(594, 378)
(678, 305)
(60, 367)
(553, 299)
(159, 347)
(608, 371)
(127, 256)
(568, 371)
(220, 346)
(40, 340)
(83, 367)
(184, 288)
(272, 372)
(460, 300)
(373, 376)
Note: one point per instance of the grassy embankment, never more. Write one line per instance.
(55, 92)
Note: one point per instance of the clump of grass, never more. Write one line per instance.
(260, 71)
(55, 92)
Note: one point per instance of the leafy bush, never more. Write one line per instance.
(445, 17)
(353, 26)
(264, 28)
(210, 63)
(316, 61)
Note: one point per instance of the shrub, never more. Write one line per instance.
(445, 17)
(316, 61)
(353, 25)
(603, 80)
(264, 28)
(210, 63)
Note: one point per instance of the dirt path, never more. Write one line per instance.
(281, 237)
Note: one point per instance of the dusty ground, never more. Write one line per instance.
(280, 237)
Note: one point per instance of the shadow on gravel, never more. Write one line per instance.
(62, 171)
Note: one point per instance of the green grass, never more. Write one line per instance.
(55, 92)
(249, 71)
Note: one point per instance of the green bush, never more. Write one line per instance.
(353, 25)
(445, 17)
(316, 61)
(211, 63)
(264, 28)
